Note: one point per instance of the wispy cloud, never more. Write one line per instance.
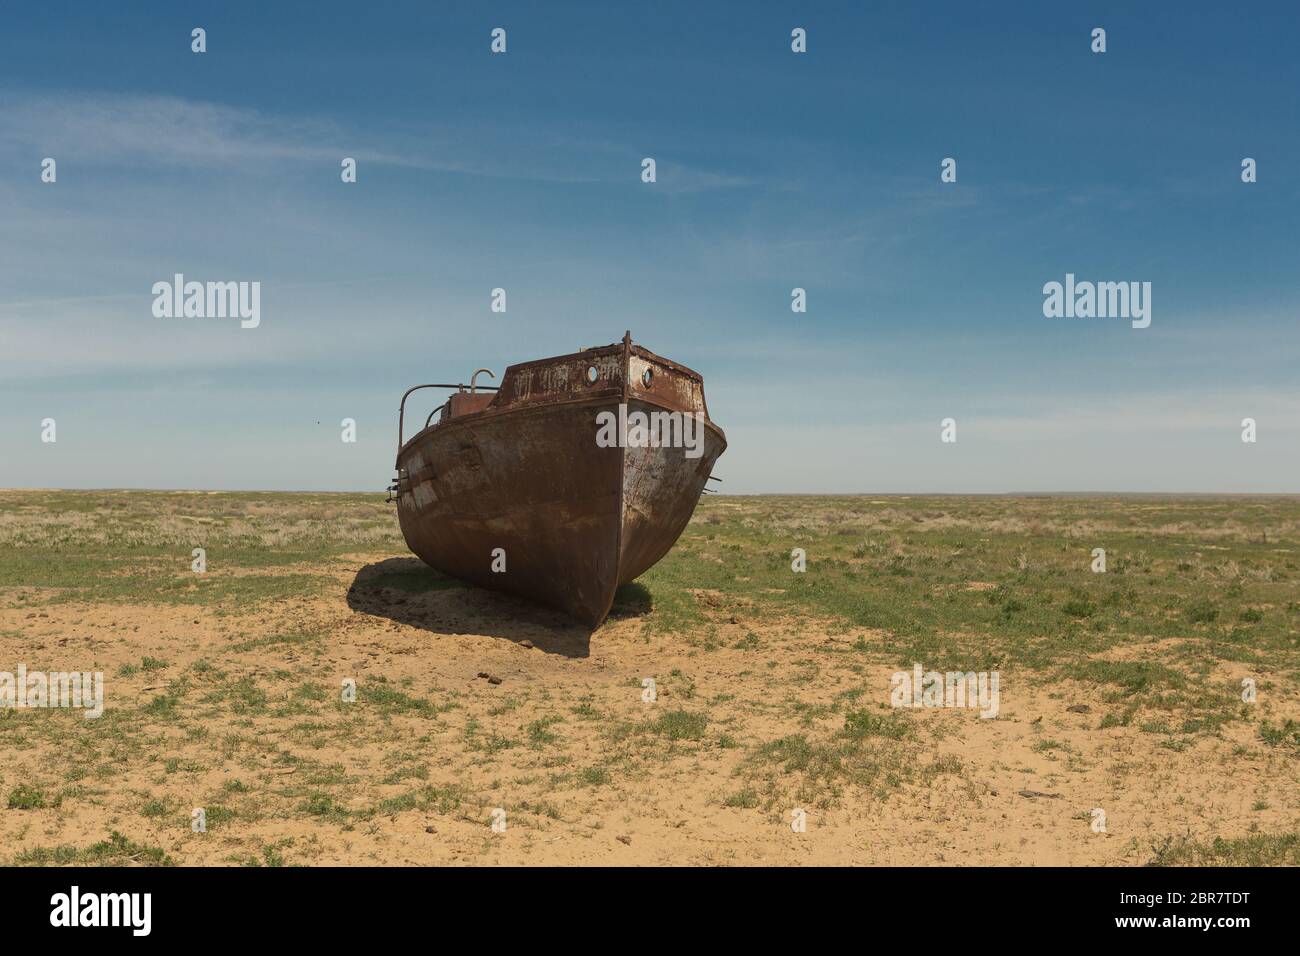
(161, 130)
(143, 131)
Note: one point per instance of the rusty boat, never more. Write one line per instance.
(540, 486)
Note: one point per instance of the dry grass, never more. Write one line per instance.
(1120, 691)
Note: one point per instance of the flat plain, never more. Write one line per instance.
(1123, 695)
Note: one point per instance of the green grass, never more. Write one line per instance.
(122, 546)
(985, 583)
(117, 850)
(390, 700)
(1281, 849)
(157, 808)
(1286, 734)
(595, 777)
(877, 752)
(954, 583)
(24, 797)
(860, 723)
(1217, 573)
(746, 798)
(438, 799)
(680, 725)
(539, 731)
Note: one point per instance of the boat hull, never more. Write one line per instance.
(523, 497)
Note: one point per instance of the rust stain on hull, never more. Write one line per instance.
(523, 472)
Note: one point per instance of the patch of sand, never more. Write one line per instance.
(574, 792)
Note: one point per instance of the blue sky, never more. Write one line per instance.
(775, 170)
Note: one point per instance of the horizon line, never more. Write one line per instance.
(718, 494)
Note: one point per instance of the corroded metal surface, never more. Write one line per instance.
(513, 491)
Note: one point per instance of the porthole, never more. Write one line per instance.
(592, 375)
(647, 377)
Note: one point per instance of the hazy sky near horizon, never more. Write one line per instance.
(775, 170)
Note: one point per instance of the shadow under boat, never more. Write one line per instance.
(408, 591)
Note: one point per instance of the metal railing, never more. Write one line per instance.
(459, 386)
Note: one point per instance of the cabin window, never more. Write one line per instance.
(647, 377)
(592, 375)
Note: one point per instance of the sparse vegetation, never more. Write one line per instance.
(1258, 850)
(225, 687)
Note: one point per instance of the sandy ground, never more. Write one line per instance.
(576, 792)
